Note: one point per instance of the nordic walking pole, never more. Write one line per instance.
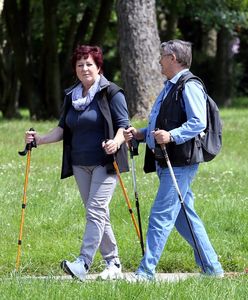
(166, 157)
(27, 151)
(126, 198)
(134, 151)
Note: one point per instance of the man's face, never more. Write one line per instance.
(166, 61)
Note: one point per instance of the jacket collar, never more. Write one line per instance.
(103, 82)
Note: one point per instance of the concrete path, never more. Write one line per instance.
(160, 277)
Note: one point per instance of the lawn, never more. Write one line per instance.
(54, 221)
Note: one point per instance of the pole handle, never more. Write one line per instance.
(133, 145)
(28, 146)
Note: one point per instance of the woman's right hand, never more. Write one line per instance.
(55, 135)
(30, 136)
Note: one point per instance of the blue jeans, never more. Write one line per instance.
(167, 212)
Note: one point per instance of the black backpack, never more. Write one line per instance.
(211, 137)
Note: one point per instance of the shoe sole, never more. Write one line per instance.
(68, 271)
(65, 268)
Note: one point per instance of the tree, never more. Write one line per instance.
(9, 84)
(16, 16)
(37, 39)
(51, 91)
(40, 36)
(139, 52)
(209, 25)
(225, 17)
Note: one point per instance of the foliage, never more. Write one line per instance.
(230, 14)
(210, 13)
(27, 62)
(241, 102)
(42, 45)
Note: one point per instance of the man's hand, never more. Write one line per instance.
(161, 136)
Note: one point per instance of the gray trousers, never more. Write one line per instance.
(96, 188)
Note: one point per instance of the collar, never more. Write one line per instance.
(177, 76)
(103, 82)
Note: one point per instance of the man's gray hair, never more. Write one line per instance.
(181, 49)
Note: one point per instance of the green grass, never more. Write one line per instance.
(204, 289)
(54, 221)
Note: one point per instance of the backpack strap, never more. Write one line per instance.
(185, 78)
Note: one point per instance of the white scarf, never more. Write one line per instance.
(78, 101)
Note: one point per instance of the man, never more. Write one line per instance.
(180, 120)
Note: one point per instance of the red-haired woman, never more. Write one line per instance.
(91, 127)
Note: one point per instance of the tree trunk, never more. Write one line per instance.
(69, 42)
(9, 85)
(102, 22)
(224, 66)
(139, 51)
(17, 29)
(172, 21)
(84, 26)
(75, 35)
(51, 75)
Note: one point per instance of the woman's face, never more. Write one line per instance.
(87, 71)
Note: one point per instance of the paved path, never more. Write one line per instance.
(160, 277)
(169, 277)
(163, 277)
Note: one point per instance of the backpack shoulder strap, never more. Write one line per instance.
(187, 76)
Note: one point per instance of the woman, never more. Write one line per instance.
(91, 127)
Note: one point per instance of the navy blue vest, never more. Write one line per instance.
(172, 115)
(121, 155)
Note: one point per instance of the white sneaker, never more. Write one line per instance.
(75, 269)
(111, 272)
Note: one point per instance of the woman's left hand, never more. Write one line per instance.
(110, 147)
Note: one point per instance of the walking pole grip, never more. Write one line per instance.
(133, 145)
(28, 146)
